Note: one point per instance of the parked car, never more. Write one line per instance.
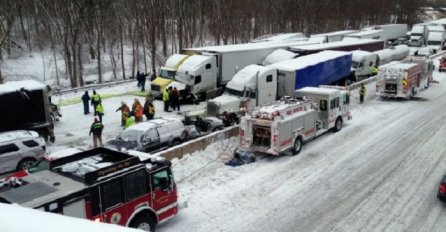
(19, 150)
(441, 195)
(43, 163)
(151, 135)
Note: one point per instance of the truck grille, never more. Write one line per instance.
(155, 88)
(261, 136)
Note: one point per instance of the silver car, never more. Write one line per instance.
(19, 150)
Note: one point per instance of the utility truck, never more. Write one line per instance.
(101, 185)
(287, 124)
(166, 74)
(405, 78)
(257, 85)
(208, 69)
(435, 38)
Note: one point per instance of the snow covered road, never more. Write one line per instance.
(379, 173)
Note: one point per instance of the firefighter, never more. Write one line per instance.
(138, 110)
(96, 129)
(362, 92)
(99, 111)
(149, 108)
(125, 112)
(95, 100)
(130, 121)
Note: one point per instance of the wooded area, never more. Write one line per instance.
(155, 29)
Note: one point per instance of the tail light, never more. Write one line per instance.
(442, 188)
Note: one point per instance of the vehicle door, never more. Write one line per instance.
(165, 135)
(150, 140)
(111, 203)
(267, 89)
(164, 194)
(335, 110)
(9, 157)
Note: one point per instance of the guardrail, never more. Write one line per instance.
(199, 144)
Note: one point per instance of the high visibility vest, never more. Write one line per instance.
(97, 125)
(100, 109)
(362, 90)
(96, 98)
(166, 95)
(129, 122)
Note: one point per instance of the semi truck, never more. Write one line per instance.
(435, 38)
(363, 61)
(257, 85)
(330, 36)
(166, 74)
(208, 69)
(369, 45)
(101, 185)
(366, 34)
(418, 35)
(405, 78)
(287, 124)
(28, 108)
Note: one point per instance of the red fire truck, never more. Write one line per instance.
(101, 185)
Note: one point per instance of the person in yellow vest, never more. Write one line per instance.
(125, 112)
(99, 111)
(130, 121)
(95, 100)
(362, 92)
(96, 129)
(374, 70)
(166, 98)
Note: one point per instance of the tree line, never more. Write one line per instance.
(154, 29)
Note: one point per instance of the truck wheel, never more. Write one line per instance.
(144, 223)
(338, 125)
(297, 146)
(25, 163)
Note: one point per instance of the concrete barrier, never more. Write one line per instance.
(199, 144)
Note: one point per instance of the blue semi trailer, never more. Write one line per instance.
(323, 68)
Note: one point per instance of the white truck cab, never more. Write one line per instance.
(167, 74)
(362, 63)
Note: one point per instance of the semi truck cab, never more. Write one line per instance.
(166, 74)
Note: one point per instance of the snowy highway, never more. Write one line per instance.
(379, 173)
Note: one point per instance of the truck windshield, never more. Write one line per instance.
(131, 135)
(355, 64)
(416, 34)
(168, 74)
(234, 92)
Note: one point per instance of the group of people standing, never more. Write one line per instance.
(141, 80)
(171, 98)
(135, 115)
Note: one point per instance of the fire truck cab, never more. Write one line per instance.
(101, 185)
(287, 124)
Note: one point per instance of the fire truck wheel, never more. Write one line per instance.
(144, 223)
(338, 125)
(297, 146)
(25, 163)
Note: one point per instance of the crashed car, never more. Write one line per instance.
(204, 124)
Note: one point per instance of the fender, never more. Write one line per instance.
(136, 212)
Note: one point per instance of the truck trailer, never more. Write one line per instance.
(257, 85)
(390, 32)
(369, 45)
(28, 108)
(287, 124)
(330, 36)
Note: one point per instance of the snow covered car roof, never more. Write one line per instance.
(17, 134)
